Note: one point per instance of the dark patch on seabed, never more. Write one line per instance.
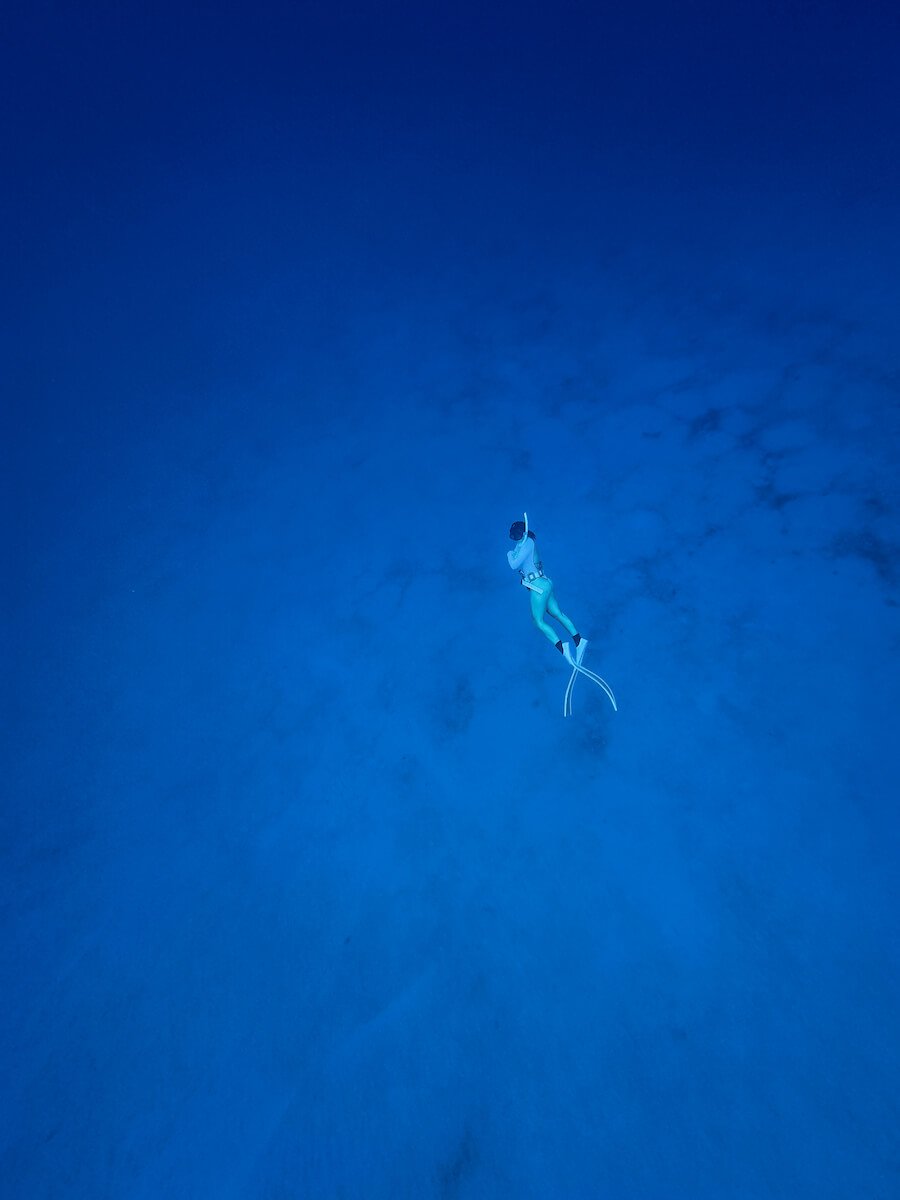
(769, 496)
(708, 422)
(454, 706)
(593, 726)
(453, 1172)
(403, 574)
(883, 555)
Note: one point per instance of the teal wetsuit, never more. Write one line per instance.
(543, 599)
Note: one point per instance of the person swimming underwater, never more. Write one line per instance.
(522, 558)
(543, 598)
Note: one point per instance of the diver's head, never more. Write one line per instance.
(517, 531)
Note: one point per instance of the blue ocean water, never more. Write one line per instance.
(309, 889)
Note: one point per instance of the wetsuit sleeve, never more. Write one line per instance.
(517, 556)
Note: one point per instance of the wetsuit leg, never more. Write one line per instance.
(539, 609)
(555, 611)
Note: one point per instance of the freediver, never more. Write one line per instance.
(522, 558)
(543, 599)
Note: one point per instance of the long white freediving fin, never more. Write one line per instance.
(577, 669)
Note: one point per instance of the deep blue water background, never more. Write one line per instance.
(308, 889)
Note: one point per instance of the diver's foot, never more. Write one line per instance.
(580, 646)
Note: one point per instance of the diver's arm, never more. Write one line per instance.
(514, 557)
